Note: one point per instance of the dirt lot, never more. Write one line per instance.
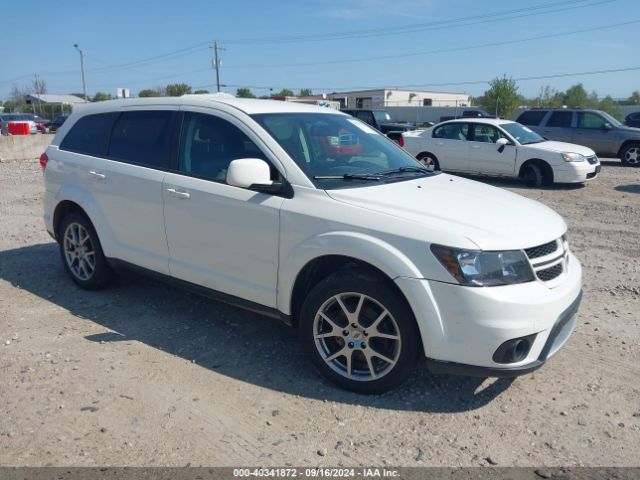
(143, 374)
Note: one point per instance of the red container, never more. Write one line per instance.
(18, 128)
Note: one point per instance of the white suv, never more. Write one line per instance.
(311, 216)
(501, 148)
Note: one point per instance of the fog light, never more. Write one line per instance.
(514, 350)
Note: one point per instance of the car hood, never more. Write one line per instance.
(629, 130)
(559, 147)
(490, 217)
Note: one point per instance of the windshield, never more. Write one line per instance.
(382, 116)
(522, 134)
(339, 151)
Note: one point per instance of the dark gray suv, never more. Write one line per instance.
(592, 128)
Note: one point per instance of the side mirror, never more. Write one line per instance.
(501, 142)
(253, 174)
(607, 126)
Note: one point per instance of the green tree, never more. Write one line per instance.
(151, 92)
(177, 89)
(200, 92)
(635, 97)
(101, 96)
(610, 106)
(285, 92)
(305, 92)
(502, 97)
(576, 96)
(245, 93)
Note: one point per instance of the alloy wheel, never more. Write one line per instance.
(79, 251)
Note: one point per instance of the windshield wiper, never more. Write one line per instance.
(403, 170)
(350, 176)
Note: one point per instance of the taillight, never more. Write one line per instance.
(401, 141)
(43, 161)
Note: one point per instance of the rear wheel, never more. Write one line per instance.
(631, 155)
(82, 254)
(429, 161)
(359, 331)
(532, 175)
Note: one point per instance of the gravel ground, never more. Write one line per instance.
(144, 374)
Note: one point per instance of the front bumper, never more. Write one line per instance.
(462, 327)
(576, 172)
(559, 335)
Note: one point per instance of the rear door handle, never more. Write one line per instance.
(178, 193)
(99, 175)
(475, 146)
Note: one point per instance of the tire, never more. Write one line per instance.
(361, 315)
(429, 161)
(82, 254)
(630, 155)
(532, 175)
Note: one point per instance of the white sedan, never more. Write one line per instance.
(501, 148)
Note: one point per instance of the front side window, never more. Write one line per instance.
(591, 120)
(209, 144)
(337, 151)
(143, 137)
(90, 134)
(560, 119)
(452, 131)
(486, 133)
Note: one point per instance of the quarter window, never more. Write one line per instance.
(209, 144)
(560, 119)
(452, 131)
(143, 137)
(90, 134)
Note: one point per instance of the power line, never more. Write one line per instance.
(418, 27)
(442, 84)
(431, 52)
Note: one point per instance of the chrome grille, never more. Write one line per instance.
(541, 250)
(549, 260)
(550, 273)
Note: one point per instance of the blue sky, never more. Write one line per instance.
(326, 45)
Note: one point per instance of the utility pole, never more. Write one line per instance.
(215, 62)
(36, 84)
(84, 83)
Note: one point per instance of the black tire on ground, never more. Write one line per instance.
(364, 335)
(81, 252)
(630, 155)
(532, 175)
(429, 161)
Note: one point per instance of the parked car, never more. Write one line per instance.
(379, 119)
(501, 148)
(632, 120)
(41, 123)
(592, 128)
(5, 118)
(471, 113)
(56, 123)
(376, 259)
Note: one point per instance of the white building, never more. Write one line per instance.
(393, 97)
(48, 98)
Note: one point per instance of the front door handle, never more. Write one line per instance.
(475, 146)
(98, 175)
(178, 193)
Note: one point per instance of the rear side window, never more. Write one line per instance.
(90, 134)
(452, 131)
(143, 137)
(532, 117)
(560, 119)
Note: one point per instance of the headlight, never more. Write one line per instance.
(573, 157)
(475, 268)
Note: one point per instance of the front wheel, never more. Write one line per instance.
(631, 155)
(359, 331)
(429, 161)
(532, 175)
